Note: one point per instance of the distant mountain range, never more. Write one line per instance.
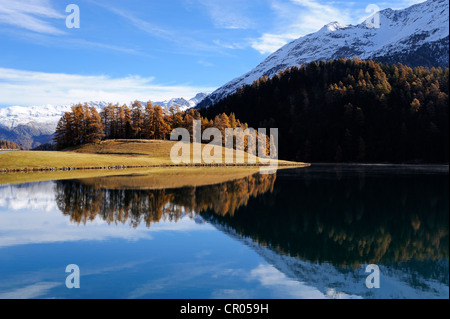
(415, 36)
(182, 103)
(34, 125)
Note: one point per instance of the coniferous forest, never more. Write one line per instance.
(349, 110)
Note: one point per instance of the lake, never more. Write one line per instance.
(300, 233)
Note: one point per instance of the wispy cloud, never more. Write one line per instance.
(70, 42)
(178, 37)
(145, 26)
(230, 45)
(21, 87)
(227, 14)
(35, 290)
(103, 46)
(205, 63)
(32, 15)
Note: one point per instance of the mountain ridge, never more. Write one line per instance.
(415, 36)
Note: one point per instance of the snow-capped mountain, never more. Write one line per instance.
(44, 117)
(417, 35)
(32, 126)
(182, 103)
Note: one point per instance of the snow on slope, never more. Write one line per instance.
(182, 103)
(19, 115)
(397, 281)
(401, 32)
(45, 117)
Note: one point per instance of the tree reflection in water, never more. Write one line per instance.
(342, 219)
(84, 202)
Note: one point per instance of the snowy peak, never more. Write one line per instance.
(417, 35)
(182, 103)
(332, 26)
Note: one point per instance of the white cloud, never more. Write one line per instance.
(269, 43)
(30, 15)
(26, 88)
(227, 14)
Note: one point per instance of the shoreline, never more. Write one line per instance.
(159, 175)
(123, 167)
(384, 164)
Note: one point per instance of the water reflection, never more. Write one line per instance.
(351, 218)
(303, 233)
(84, 200)
(346, 218)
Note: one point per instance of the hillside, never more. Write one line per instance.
(350, 111)
(415, 36)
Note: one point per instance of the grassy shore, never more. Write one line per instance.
(112, 157)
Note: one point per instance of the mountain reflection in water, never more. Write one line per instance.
(344, 218)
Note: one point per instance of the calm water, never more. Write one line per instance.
(302, 233)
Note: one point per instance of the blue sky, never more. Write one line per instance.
(148, 50)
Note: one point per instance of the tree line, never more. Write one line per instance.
(349, 110)
(84, 124)
(8, 145)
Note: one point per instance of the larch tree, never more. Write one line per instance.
(95, 128)
(161, 128)
(64, 135)
(137, 119)
(149, 127)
